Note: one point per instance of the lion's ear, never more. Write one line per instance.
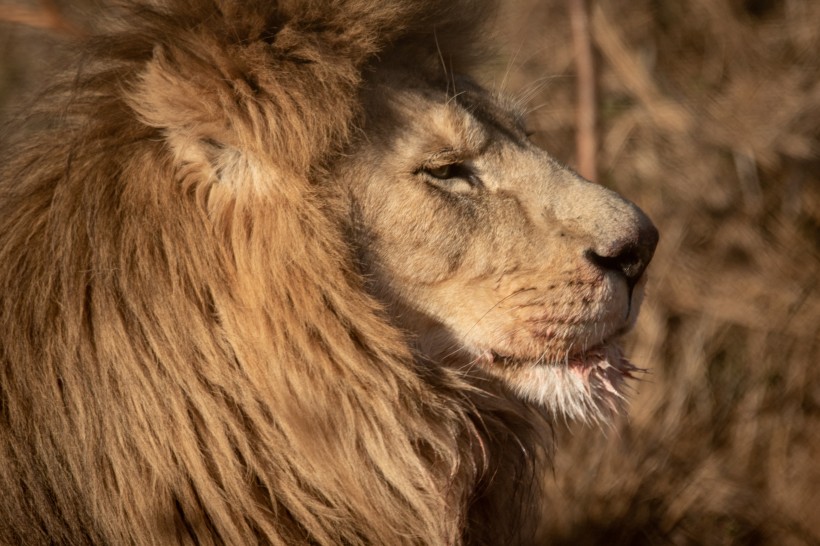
(218, 125)
(281, 84)
(193, 105)
(295, 107)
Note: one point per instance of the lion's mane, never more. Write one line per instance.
(187, 352)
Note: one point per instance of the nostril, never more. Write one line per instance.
(629, 257)
(628, 263)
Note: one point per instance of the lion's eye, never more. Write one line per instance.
(453, 177)
(442, 172)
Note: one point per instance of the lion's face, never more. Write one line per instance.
(493, 256)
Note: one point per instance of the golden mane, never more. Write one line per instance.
(187, 352)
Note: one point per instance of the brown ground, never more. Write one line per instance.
(709, 118)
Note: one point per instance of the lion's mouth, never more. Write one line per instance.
(578, 360)
(588, 384)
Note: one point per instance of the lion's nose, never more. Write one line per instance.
(628, 255)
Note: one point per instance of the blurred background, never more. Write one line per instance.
(707, 115)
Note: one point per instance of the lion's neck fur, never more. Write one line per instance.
(187, 351)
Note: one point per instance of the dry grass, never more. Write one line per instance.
(709, 118)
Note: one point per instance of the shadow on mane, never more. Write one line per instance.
(188, 352)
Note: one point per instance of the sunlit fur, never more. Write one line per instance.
(194, 345)
(187, 353)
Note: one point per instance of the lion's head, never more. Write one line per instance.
(497, 259)
(267, 278)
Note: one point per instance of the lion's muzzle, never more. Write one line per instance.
(630, 255)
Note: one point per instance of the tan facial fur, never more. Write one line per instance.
(497, 259)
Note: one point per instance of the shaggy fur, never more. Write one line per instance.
(187, 353)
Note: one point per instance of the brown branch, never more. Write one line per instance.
(586, 137)
(46, 17)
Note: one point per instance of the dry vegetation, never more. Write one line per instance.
(709, 118)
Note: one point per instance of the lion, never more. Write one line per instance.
(281, 272)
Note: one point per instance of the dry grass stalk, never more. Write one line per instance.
(587, 113)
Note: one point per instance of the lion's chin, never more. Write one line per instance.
(590, 386)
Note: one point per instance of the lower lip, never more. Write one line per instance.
(589, 358)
